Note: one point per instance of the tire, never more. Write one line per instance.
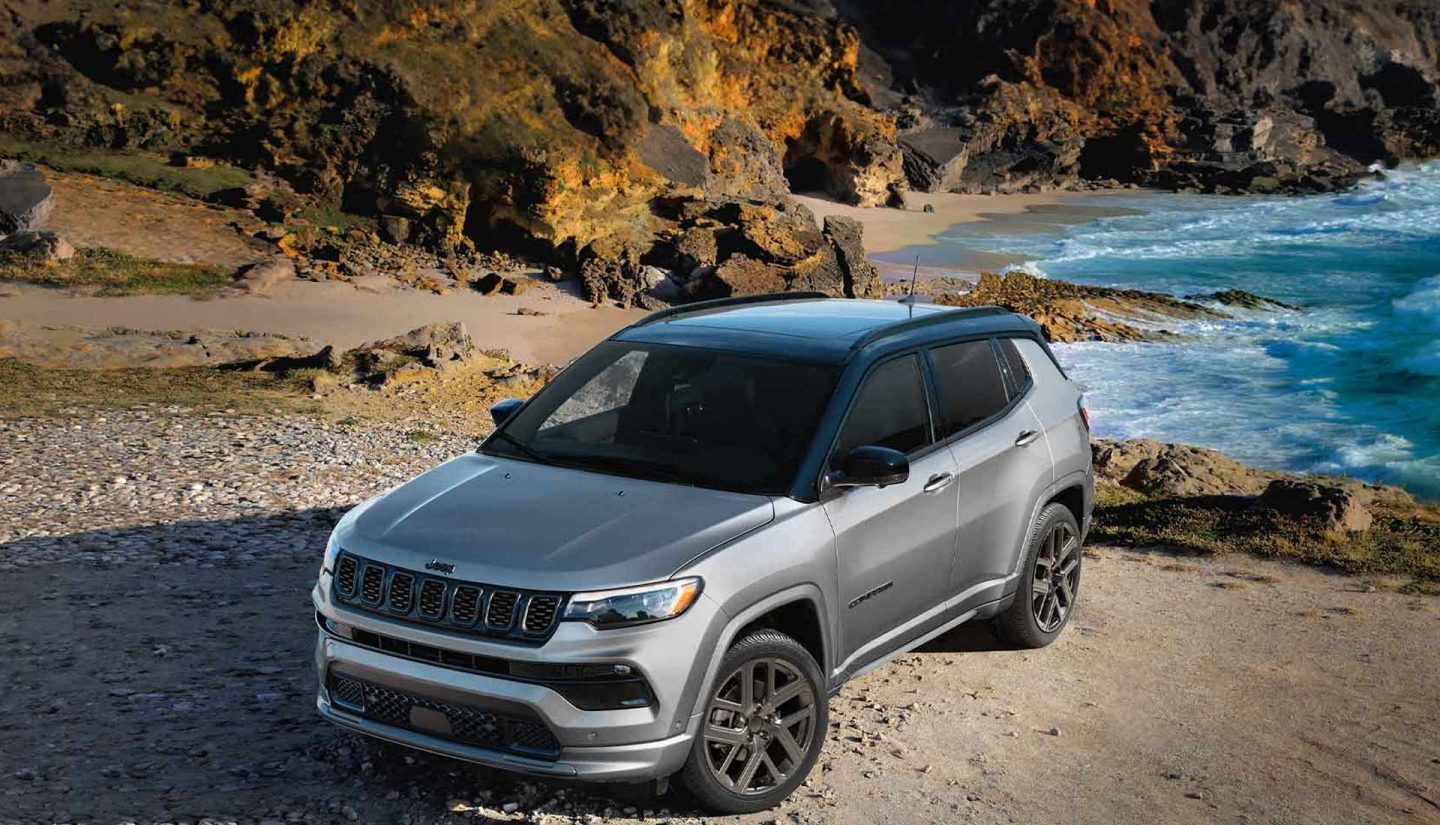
(740, 739)
(1021, 623)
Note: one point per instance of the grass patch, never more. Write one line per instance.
(1178, 567)
(114, 273)
(325, 216)
(30, 391)
(1419, 587)
(1404, 540)
(141, 168)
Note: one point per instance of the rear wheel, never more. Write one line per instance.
(1049, 585)
(764, 726)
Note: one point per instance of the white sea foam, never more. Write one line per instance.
(1029, 268)
(1422, 305)
(1349, 384)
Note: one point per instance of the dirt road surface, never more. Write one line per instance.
(157, 634)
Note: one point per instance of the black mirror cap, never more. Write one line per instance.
(880, 466)
(502, 410)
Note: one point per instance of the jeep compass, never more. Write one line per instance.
(668, 559)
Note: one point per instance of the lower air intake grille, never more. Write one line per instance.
(457, 723)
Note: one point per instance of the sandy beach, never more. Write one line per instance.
(887, 230)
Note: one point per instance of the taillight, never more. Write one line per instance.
(1084, 412)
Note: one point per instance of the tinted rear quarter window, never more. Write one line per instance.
(970, 385)
(1017, 375)
(890, 410)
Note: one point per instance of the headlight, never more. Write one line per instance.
(634, 605)
(332, 549)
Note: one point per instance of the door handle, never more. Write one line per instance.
(1027, 437)
(938, 482)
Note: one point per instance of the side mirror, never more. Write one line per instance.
(502, 410)
(871, 465)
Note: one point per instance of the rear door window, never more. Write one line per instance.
(970, 385)
(890, 410)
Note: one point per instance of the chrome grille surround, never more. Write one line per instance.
(498, 612)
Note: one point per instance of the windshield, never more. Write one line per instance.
(681, 414)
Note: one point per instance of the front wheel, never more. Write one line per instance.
(1049, 584)
(764, 725)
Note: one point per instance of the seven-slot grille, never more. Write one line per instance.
(432, 599)
(501, 612)
(345, 572)
(540, 613)
(468, 725)
(372, 584)
(479, 608)
(465, 606)
(402, 592)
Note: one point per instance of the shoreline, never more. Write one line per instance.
(891, 230)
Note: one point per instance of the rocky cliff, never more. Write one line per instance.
(1216, 95)
(625, 134)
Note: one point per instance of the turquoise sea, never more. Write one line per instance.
(1350, 384)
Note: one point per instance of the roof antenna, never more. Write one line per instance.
(910, 298)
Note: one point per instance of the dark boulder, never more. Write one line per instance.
(26, 199)
(1333, 508)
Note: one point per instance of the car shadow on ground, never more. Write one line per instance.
(164, 672)
(972, 637)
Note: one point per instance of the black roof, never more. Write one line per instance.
(814, 327)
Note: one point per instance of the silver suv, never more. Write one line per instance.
(668, 559)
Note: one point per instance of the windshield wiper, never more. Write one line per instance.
(654, 470)
(528, 451)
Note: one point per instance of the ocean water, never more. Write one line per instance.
(1349, 384)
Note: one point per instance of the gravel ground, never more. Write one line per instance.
(157, 635)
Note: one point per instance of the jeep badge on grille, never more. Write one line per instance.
(440, 566)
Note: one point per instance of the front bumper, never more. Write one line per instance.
(615, 763)
(621, 745)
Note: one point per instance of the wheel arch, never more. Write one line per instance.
(1073, 497)
(787, 611)
(1072, 491)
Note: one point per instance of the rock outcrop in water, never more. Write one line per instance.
(563, 128)
(1069, 312)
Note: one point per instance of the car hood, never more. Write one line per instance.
(533, 526)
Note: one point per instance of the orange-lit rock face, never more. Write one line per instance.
(497, 121)
(557, 123)
(1226, 95)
